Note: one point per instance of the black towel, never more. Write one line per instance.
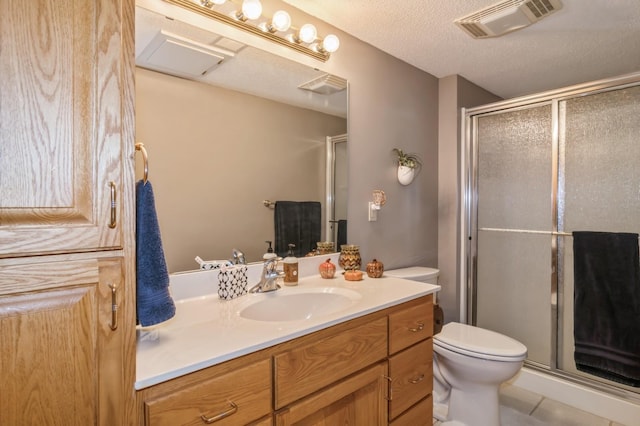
(299, 223)
(342, 233)
(154, 303)
(607, 305)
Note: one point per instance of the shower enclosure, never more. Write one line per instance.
(538, 168)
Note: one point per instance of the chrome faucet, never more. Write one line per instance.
(269, 279)
(238, 257)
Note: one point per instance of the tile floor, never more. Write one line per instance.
(519, 407)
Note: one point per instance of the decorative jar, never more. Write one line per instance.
(375, 269)
(349, 258)
(327, 269)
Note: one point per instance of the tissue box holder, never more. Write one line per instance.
(232, 282)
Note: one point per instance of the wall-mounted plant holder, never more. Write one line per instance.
(409, 166)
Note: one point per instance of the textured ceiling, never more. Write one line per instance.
(584, 41)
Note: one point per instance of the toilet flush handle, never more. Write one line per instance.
(420, 327)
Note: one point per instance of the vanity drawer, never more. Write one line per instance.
(419, 414)
(303, 370)
(248, 388)
(411, 325)
(411, 373)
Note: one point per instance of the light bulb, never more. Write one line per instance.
(281, 21)
(251, 9)
(219, 1)
(307, 33)
(331, 43)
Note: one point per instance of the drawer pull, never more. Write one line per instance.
(389, 379)
(420, 327)
(417, 379)
(114, 205)
(114, 307)
(230, 411)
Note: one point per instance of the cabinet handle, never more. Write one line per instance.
(112, 222)
(230, 411)
(417, 379)
(114, 306)
(389, 379)
(420, 327)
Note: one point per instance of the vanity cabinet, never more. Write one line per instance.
(67, 310)
(369, 370)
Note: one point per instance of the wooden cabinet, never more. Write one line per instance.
(61, 108)
(61, 360)
(67, 316)
(345, 374)
(357, 400)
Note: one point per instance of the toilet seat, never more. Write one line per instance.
(479, 343)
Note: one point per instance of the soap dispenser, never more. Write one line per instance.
(290, 267)
(269, 254)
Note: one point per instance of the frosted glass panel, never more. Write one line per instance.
(514, 169)
(513, 291)
(601, 139)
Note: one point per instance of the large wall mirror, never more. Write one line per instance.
(225, 135)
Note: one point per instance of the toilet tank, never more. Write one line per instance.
(422, 274)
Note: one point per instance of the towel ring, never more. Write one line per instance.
(140, 147)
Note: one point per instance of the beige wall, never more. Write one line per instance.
(215, 155)
(455, 93)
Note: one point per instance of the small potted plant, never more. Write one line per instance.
(409, 165)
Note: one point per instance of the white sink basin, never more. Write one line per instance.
(307, 304)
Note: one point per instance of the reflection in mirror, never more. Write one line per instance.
(222, 142)
(336, 191)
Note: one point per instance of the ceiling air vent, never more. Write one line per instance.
(326, 84)
(175, 55)
(506, 16)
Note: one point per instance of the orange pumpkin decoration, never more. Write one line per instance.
(375, 268)
(327, 269)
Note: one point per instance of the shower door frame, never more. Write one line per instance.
(469, 211)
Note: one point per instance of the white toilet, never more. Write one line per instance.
(469, 364)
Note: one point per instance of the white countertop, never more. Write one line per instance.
(207, 331)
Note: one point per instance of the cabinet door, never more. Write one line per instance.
(60, 360)
(60, 121)
(358, 400)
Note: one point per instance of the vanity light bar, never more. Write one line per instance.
(205, 8)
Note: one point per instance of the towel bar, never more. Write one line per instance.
(140, 147)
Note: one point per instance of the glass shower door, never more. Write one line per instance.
(513, 196)
(599, 183)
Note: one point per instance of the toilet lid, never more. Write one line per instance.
(479, 343)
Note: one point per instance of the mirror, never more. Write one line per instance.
(223, 141)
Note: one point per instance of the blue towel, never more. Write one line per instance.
(154, 303)
(607, 305)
